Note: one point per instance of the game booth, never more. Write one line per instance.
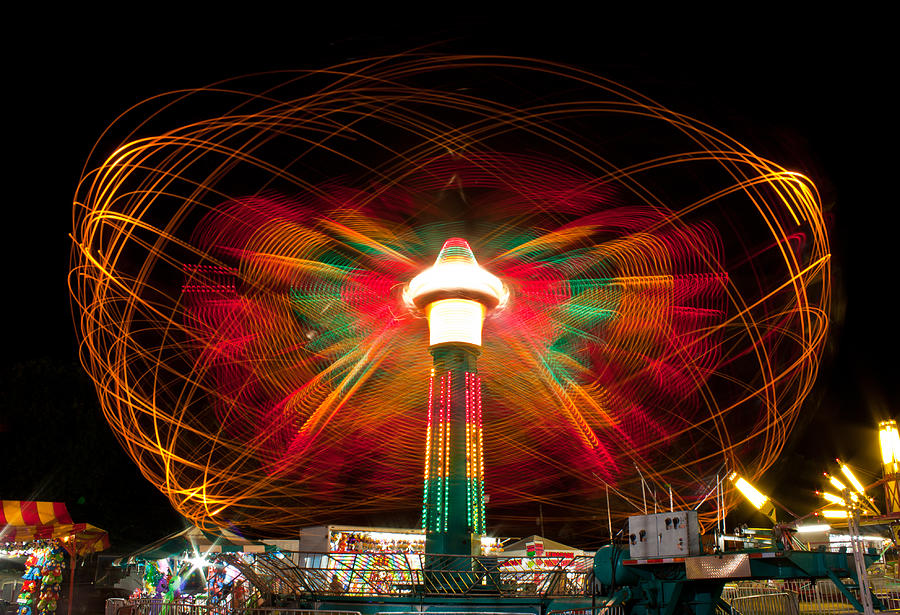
(550, 562)
(195, 567)
(44, 536)
(365, 561)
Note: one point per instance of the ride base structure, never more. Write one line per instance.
(371, 583)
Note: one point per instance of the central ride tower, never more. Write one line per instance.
(455, 295)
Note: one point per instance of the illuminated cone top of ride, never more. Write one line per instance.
(455, 294)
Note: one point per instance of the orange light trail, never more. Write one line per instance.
(237, 280)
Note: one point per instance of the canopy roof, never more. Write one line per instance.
(549, 546)
(24, 521)
(194, 542)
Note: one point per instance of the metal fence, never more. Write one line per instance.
(283, 611)
(113, 605)
(802, 597)
(824, 596)
(157, 606)
(759, 600)
(600, 610)
(321, 576)
(404, 574)
(748, 598)
(151, 606)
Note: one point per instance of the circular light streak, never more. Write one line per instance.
(240, 254)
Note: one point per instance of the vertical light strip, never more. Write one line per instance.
(438, 457)
(479, 457)
(428, 448)
(469, 493)
(446, 502)
(435, 523)
(474, 455)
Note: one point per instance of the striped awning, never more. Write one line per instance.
(24, 521)
(20, 513)
(195, 542)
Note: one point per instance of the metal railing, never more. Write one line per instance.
(600, 610)
(158, 606)
(772, 603)
(324, 576)
(154, 606)
(406, 574)
(803, 597)
(759, 599)
(887, 589)
(113, 605)
(283, 611)
(825, 597)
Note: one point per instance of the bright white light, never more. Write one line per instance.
(750, 492)
(409, 537)
(455, 294)
(198, 561)
(837, 484)
(846, 538)
(890, 442)
(455, 320)
(805, 529)
(852, 478)
(834, 499)
(461, 278)
(834, 514)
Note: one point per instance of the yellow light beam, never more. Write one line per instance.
(760, 501)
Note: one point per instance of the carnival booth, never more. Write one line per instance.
(196, 566)
(538, 546)
(550, 562)
(44, 534)
(370, 560)
(338, 539)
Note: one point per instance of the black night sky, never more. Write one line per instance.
(796, 92)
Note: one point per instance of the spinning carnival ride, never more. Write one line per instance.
(241, 253)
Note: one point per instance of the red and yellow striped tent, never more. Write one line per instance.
(22, 521)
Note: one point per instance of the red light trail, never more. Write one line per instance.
(239, 260)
